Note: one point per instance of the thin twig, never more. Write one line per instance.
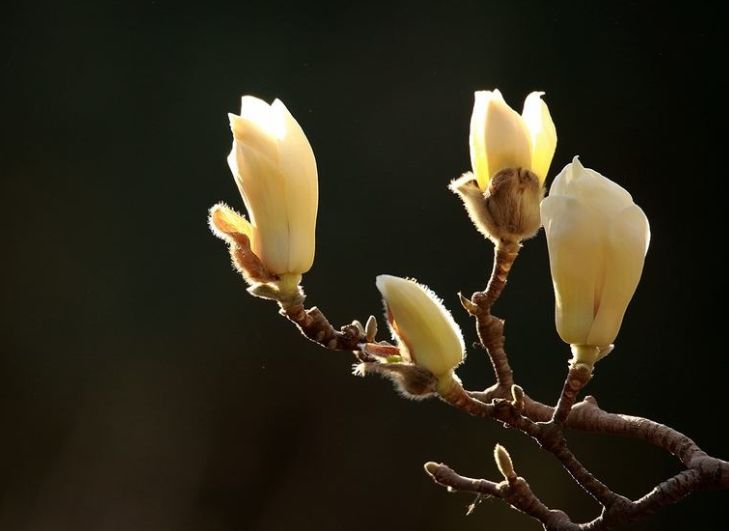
(548, 434)
(314, 325)
(516, 493)
(491, 329)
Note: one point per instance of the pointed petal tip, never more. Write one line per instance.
(535, 94)
(488, 95)
(480, 95)
(248, 99)
(381, 281)
(577, 163)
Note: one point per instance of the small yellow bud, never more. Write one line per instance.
(424, 330)
(597, 239)
(275, 169)
(371, 328)
(517, 396)
(503, 462)
(500, 138)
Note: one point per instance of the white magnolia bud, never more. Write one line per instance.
(424, 330)
(597, 239)
(500, 138)
(274, 167)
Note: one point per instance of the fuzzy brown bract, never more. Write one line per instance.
(509, 208)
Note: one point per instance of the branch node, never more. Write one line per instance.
(468, 305)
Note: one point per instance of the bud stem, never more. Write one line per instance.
(585, 354)
(490, 329)
(578, 376)
(288, 284)
(505, 253)
(451, 391)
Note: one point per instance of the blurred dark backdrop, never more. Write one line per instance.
(142, 389)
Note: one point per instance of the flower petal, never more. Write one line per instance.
(542, 132)
(263, 188)
(591, 189)
(506, 137)
(426, 332)
(298, 165)
(626, 246)
(259, 112)
(477, 138)
(257, 126)
(575, 257)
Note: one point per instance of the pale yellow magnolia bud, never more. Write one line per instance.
(424, 330)
(500, 138)
(597, 239)
(274, 167)
(504, 463)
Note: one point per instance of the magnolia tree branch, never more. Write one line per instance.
(507, 403)
(507, 206)
(519, 495)
(516, 492)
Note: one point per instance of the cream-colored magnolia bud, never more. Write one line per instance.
(597, 239)
(504, 463)
(274, 167)
(501, 138)
(424, 330)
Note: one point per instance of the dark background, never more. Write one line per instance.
(142, 389)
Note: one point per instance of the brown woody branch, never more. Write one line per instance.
(519, 495)
(703, 471)
(314, 325)
(578, 376)
(490, 329)
(515, 492)
(548, 434)
(544, 423)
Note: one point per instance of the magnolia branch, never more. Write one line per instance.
(507, 403)
(603, 231)
(315, 326)
(515, 492)
(519, 495)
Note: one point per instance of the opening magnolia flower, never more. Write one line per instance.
(500, 138)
